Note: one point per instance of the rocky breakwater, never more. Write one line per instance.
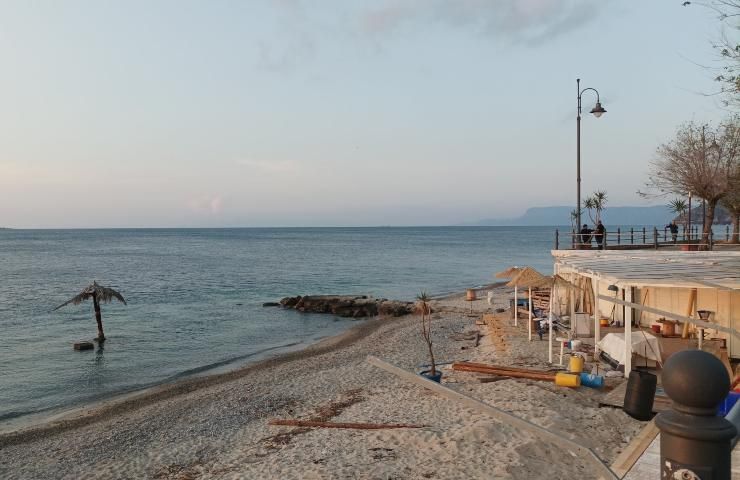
(350, 306)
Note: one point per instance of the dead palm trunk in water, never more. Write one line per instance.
(98, 318)
(99, 294)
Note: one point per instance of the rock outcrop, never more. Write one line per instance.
(350, 306)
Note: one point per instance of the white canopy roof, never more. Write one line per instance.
(654, 268)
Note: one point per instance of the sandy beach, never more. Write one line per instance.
(217, 427)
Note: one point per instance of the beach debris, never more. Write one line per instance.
(496, 378)
(360, 426)
(99, 294)
(380, 453)
(504, 371)
(460, 336)
(83, 346)
(348, 306)
(564, 440)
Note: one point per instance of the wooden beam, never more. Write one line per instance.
(289, 422)
(629, 456)
(674, 316)
(690, 307)
(561, 439)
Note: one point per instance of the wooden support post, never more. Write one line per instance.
(690, 307)
(563, 440)
(549, 322)
(529, 325)
(627, 319)
(597, 315)
(516, 305)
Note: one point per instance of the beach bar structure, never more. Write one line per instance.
(652, 287)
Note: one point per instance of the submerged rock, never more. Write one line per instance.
(348, 306)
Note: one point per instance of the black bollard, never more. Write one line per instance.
(694, 442)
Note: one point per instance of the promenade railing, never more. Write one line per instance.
(635, 238)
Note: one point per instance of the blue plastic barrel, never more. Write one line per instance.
(591, 380)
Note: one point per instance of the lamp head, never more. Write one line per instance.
(613, 288)
(598, 110)
(704, 314)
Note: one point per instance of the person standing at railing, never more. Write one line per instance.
(674, 230)
(600, 234)
(585, 236)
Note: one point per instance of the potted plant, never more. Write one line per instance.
(426, 333)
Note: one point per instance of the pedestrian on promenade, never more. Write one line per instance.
(600, 235)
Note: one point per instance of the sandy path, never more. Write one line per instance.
(217, 427)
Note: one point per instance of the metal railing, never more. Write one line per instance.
(643, 237)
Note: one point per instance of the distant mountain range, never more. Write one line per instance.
(552, 216)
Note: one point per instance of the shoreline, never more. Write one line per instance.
(123, 402)
(71, 416)
(218, 426)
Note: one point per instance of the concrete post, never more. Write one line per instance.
(694, 442)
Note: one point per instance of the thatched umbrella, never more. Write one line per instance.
(98, 294)
(552, 282)
(524, 278)
(512, 272)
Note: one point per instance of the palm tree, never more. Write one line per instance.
(426, 326)
(98, 294)
(597, 203)
(679, 207)
(573, 220)
(589, 203)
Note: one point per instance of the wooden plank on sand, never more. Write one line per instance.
(629, 456)
(602, 471)
(362, 426)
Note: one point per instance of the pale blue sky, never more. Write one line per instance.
(277, 113)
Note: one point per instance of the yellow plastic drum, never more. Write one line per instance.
(576, 364)
(604, 322)
(567, 380)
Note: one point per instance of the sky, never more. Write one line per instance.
(255, 113)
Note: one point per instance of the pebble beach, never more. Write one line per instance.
(216, 427)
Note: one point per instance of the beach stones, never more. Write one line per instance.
(83, 346)
(348, 306)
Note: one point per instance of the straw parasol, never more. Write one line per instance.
(552, 282)
(509, 273)
(526, 276)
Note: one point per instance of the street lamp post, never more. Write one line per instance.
(598, 111)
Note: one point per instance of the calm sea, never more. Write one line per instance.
(195, 296)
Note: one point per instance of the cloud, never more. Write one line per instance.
(206, 204)
(528, 22)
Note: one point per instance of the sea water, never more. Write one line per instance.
(195, 296)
